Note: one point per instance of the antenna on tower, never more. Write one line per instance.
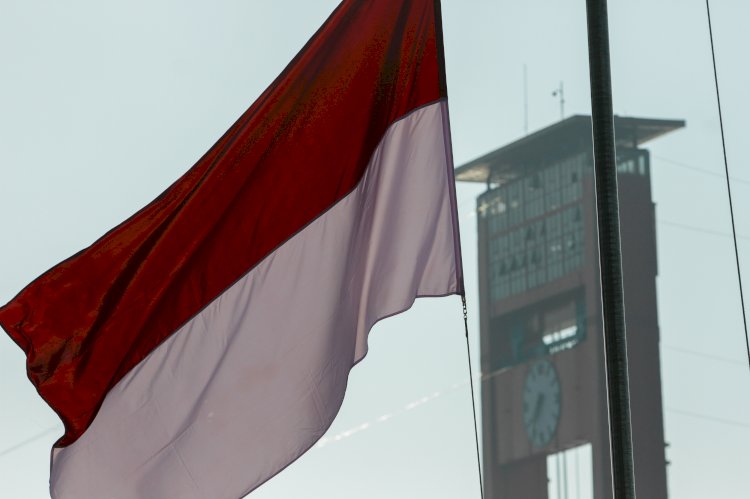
(560, 92)
(525, 101)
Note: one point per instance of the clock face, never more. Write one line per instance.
(541, 403)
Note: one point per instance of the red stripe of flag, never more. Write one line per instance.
(301, 147)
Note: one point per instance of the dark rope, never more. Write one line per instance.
(473, 402)
(729, 188)
(29, 440)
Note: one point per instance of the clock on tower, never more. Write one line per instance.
(541, 403)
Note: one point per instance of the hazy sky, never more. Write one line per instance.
(103, 106)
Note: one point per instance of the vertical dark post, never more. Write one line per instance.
(609, 251)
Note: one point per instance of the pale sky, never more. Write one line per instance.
(104, 105)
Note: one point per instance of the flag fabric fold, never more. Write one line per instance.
(204, 344)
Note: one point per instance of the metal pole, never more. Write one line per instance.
(613, 307)
(565, 474)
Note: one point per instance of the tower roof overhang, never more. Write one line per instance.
(564, 138)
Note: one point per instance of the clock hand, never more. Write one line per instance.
(538, 407)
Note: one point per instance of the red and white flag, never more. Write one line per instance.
(205, 343)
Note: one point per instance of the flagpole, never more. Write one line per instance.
(610, 257)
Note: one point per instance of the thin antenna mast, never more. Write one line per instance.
(560, 92)
(525, 101)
